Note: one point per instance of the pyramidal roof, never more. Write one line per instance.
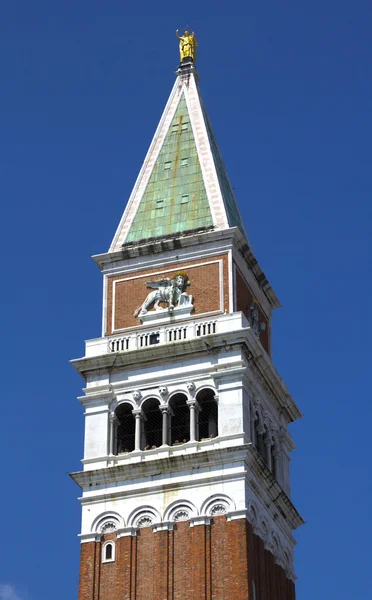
(183, 184)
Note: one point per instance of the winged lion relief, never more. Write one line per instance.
(171, 291)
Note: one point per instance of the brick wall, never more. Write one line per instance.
(205, 287)
(212, 562)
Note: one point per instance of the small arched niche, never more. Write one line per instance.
(125, 428)
(152, 423)
(208, 414)
(180, 419)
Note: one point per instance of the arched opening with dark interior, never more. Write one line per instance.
(180, 419)
(152, 423)
(125, 427)
(208, 414)
(108, 552)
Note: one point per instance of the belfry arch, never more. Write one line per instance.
(152, 424)
(207, 427)
(124, 428)
(180, 419)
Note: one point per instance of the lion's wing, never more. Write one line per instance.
(154, 285)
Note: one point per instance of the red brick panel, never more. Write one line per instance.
(205, 287)
(161, 565)
(170, 563)
(199, 567)
(220, 557)
(208, 563)
(123, 568)
(182, 562)
(133, 569)
(87, 570)
(145, 565)
(108, 579)
(97, 575)
(238, 560)
(216, 562)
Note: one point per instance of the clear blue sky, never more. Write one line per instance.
(288, 88)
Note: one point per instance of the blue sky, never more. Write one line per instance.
(288, 88)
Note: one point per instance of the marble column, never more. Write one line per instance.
(138, 424)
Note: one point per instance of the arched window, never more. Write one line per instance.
(108, 552)
(152, 423)
(180, 419)
(124, 428)
(208, 414)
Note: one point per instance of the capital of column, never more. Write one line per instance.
(113, 418)
(138, 413)
(193, 403)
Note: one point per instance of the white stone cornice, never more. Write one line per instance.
(234, 515)
(92, 400)
(126, 532)
(200, 520)
(163, 526)
(89, 537)
(244, 463)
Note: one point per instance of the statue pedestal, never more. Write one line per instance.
(160, 317)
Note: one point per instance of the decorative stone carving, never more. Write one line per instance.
(144, 521)
(108, 527)
(190, 386)
(218, 509)
(163, 391)
(137, 395)
(219, 505)
(170, 291)
(253, 318)
(181, 515)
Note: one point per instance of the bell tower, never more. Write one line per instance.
(185, 487)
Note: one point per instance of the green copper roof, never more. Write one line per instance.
(233, 216)
(175, 198)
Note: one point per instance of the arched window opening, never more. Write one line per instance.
(108, 552)
(152, 423)
(208, 415)
(125, 427)
(180, 420)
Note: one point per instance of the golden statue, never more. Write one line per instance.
(188, 45)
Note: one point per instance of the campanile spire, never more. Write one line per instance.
(185, 487)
